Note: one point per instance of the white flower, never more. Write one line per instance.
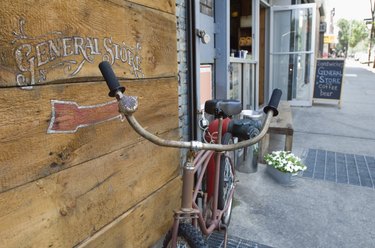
(285, 161)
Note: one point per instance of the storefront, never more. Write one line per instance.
(243, 49)
(256, 46)
(72, 174)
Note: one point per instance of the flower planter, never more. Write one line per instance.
(284, 178)
(285, 161)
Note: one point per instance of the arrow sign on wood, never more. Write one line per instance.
(67, 116)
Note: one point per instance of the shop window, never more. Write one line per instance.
(240, 27)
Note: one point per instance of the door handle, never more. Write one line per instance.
(205, 38)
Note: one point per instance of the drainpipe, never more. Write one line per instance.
(191, 65)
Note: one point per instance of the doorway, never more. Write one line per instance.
(205, 50)
(292, 52)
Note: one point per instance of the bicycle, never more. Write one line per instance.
(209, 216)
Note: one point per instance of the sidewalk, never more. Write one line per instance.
(316, 213)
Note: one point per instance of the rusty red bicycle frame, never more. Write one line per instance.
(189, 208)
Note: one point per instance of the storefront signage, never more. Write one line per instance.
(328, 79)
(328, 39)
(37, 56)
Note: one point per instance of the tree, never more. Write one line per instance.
(351, 33)
(359, 32)
(343, 35)
(372, 34)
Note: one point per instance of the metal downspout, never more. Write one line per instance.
(191, 65)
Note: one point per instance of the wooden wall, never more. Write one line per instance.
(71, 173)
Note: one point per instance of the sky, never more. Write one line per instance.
(350, 9)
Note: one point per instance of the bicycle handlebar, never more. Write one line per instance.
(129, 104)
(110, 78)
(274, 102)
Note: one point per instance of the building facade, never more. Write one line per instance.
(252, 47)
(72, 174)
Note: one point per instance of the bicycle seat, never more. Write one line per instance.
(223, 108)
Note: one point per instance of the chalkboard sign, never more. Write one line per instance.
(328, 78)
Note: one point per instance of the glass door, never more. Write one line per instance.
(292, 52)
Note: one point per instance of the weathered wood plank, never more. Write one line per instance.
(280, 124)
(163, 5)
(45, 41)
(283, 123)
(65, 208)
(28, 153)
(153, 216)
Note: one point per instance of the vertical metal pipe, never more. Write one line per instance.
(191, 64)
(187, 187)
(217, 165)
(256, 32)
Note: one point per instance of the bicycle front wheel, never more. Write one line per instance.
(188, 236)
(226, 180)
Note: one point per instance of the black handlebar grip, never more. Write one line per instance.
(274, 102)
(111, 79)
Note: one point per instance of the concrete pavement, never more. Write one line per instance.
(316, 213)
